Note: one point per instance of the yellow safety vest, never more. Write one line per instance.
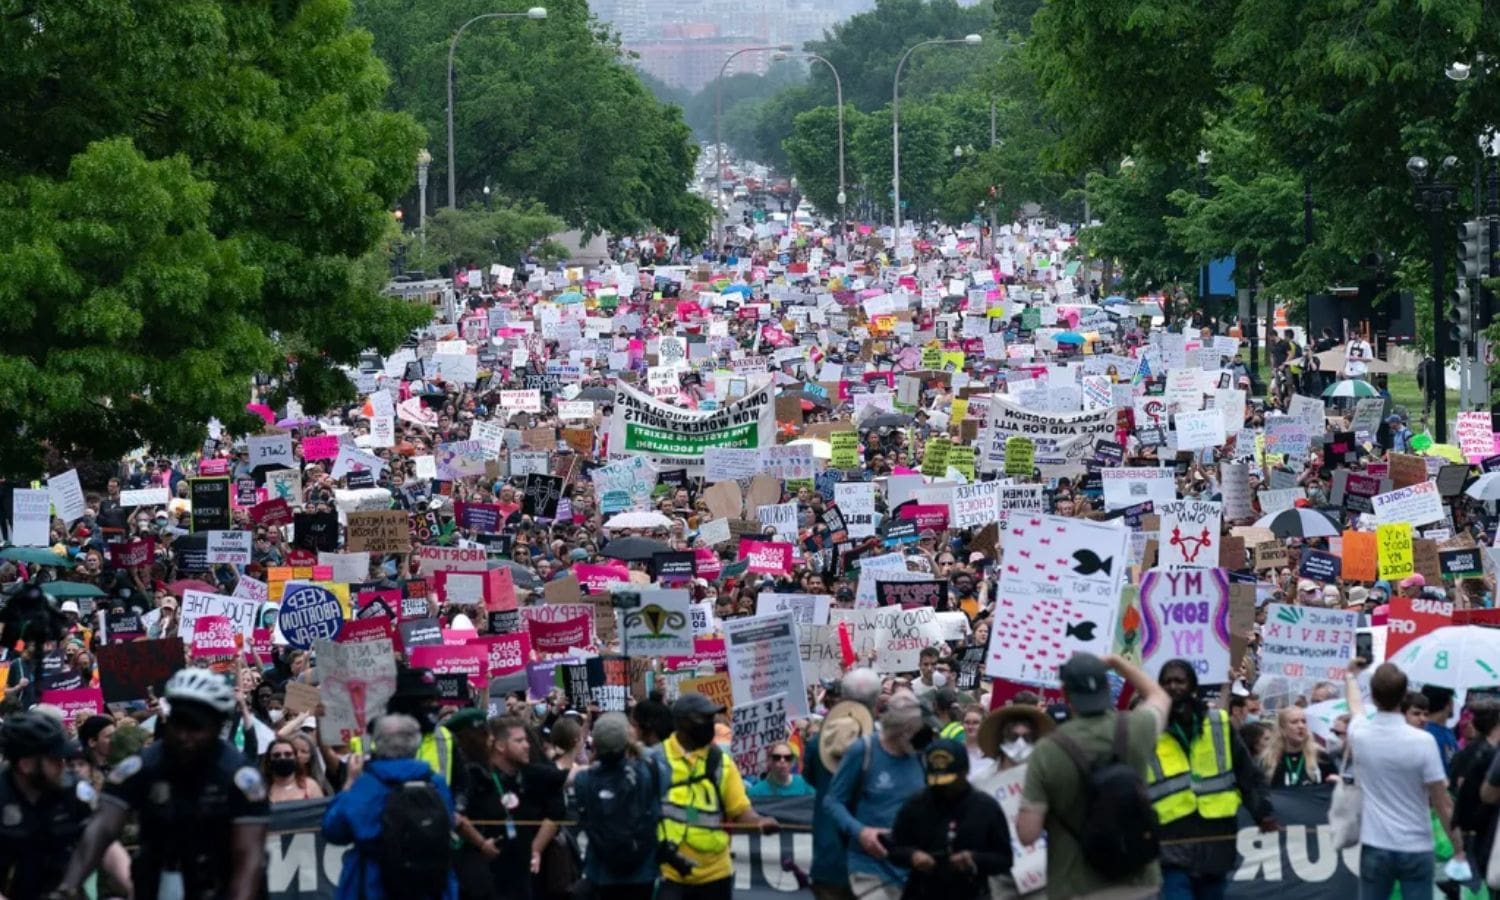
(436, 750)
(692, 814)
(1179, 786)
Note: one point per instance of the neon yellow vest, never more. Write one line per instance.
(436, 750)
(953, 731)
(692, 814)
(1179, 787)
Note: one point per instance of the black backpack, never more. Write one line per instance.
(416, 853)
(619, 806)
(1118, 834)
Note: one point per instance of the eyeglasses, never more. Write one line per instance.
(781, 757)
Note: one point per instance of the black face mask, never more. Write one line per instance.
(701, 732)
(282, 768)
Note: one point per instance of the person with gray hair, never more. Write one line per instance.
(423, 870)
(618, 803)
(846, 722)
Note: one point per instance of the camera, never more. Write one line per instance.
(668, 854)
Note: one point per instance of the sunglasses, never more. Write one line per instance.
(782, 757)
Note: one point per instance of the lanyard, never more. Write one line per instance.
(510, 822)
(1293, 773)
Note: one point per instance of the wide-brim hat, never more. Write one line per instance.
(993, 727)
(845, 723)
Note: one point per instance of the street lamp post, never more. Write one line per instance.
(838, 90)
(1435, 196)
(536, 12)
(969, 39)
(719, 133)
(1204, 158)
(424, 163)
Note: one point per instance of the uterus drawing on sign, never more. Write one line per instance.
(1190, 546)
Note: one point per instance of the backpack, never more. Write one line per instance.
(1118, 835)
(416, 854)
(619, 807)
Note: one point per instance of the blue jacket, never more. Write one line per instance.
(354, 818)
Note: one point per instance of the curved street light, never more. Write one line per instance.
(719, 132)
(838, 88)
(969, 40)
(536, 12)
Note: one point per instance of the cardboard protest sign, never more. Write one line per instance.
(1185, 615)
(1409, 619)
(764, 660)
(357, 680)
(757, 727)
(1059, 593)
(1306, 643)
(385, 531)
(133, 671)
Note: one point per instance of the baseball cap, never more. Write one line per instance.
(1415, 580)
(695, 705)
(1085, 679)
(945, 761)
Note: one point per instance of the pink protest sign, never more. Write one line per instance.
(508, 652)
(321, 446)
(594, 578)
(471, 660)
(213, 636)
(767, 557)
(560, 636)
(77, 702)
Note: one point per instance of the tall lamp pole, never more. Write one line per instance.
(1435, 197)
(719, 133)
(969, 39)
(838, 89)
(424, 163)
(536, 12)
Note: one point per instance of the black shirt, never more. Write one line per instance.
(1291, 771)
(36, 841)
(186, 815)
(940, 826)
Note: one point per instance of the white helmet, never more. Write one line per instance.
(202, 687)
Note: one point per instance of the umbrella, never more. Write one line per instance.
(1114, 298)
(297, 422)
(1351, 387)
(34, 556)
(1460, 657)
(741, 289)
(1485, 487)
(633, 549)
(1069, 337)
(521, 576)
(262, 410)
(820, 449)
(183, 585)
(597, 393)
(639, 519)
(886, 420)
(64, 590)
(570, 297)
(1298, 523)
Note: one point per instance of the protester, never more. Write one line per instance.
(951, 837)
(846, 722)
(1291, 758)
(618, 804)
(394, 790)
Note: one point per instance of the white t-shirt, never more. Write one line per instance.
(1355, 354)
(1393, 764)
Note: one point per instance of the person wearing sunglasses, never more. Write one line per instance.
(780, 780)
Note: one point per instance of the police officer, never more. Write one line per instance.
(43, 810)
(202, 806)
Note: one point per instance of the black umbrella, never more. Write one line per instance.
(1300, 523)
(520, 575)
(597, 394)
(886, 420)
(633, 549)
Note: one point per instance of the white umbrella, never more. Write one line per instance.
(1485, 487)
(1298, 523)
(1461, 657)
(639, 519)
(820, 449)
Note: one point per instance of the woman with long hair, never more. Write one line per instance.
(1292, 758)
(283, 774)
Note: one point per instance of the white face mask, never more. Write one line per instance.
(1017, 750)
(276, 715)
(939, 679)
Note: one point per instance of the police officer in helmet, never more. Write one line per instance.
(202, 806)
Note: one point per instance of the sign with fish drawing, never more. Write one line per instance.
(1059, 594)
(1185, 615)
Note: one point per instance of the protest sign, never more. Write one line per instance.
(307, 614)
(213, 636)
(356, 682)
(1306, 643)
(1185, 615)
(210, 504)
(624, 484)
(931, 593)
(1127, 487)
(133, 671)
(203, 603)
(1360, 556)
(677, 438)
(766, 557)
(1061, 439)
(1418, 504)
(975, 504)
(716, 688)
(31, 517)
(229, 547)
(155, 496)
(76, 704)
(764, 660)
(1475, 435)
(856, 503)
(450, 559)
(1189, 533)
(757, 727)
(806, 609)
(382, 531)
(661, 625)
(1320, 566)
(68, 503)
(1395, 551)
(845, 453)
(1409, 619)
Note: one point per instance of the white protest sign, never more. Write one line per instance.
(1189, 533)
(574, 410)
(248, 588)
(856, 503)
(1307, 643)
(348, 568)
(157, 496)
(239, 611)
(729, 464)
(1418, 504)
(714, 533)
(1125, 487)
(271, 450)
(1028, 870)
(806, 609)
(1234, 486)
(67, 498)
(382, 431)
(31, 517)
(1185, 615)
(1199, 430)
(1020, 500)
(757, 727)
(661, 626)
(764, 661)
(357, 680)
(352, 460)
(781, 517)
(975, 504)
(822, 656)
(1278, 500)
(229, 547)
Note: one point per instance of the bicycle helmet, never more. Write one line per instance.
(202, 687)
(33, 734)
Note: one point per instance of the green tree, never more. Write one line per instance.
(186, 196)
(812, 150)
(474, 236)
(926, 157)
(1133, 209)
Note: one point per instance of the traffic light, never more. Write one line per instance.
(1461, 314)
(1474, 250)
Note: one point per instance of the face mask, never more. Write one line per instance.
(276, 715)
(1017, 750)
(1251, 718)
(701, 733)
(540, 709)
(282, 768)
(939, 679)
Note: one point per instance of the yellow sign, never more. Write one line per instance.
(845, 450)
(959, 410)
(1020, 456)
(932, 358)
(935, 458)
(961, 457)
(715, 687)
(1397, 560)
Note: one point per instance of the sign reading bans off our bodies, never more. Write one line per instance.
(677, 438)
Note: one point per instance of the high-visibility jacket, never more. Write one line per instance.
(437, 750)
(692, 811)
(1202, 780)
(953, 731)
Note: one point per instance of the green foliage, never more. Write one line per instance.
(188, 194)
(926, 157)
(812, 150)
(544, 110)
(1133, 209)
(473, 236)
